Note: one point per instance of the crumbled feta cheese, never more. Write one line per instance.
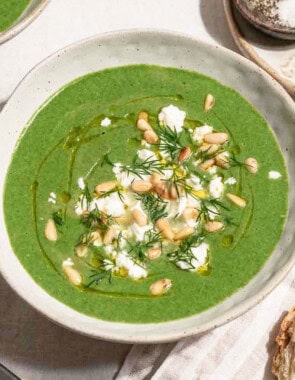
(274, 175)
(111, 205)
(212, 170)
(193, 202)
(51, 200)
(81, 205)
(52, 195)
(145, 154)
(200, 255)
(216, 187)
(172, 117)
(138, 232)
(125, 179)
(67, 263)
(200, 132)
(192, 223)
(134, 270)
(81, 183)
(231, 181)
(108, 265)
(195, 182)
(106, 122)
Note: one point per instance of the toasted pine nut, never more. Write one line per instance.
(184, 154)
(207, 164)
(105, 187)
(95, 236)
(73, 275)
(238, 201)
(150, 136)
(209, 148)
(209, 102)
(143, 115)
(251, 165)
(190, 213)
(81, 250)
(165, 229)
(141, 186)
(156, 178)
(50, 230)
(213, 226)
(154, 253)
(160, 187)
(184, 233)
(109, 236)
(222, 161)
(143, 125)
(173, 192)
(160, 287)
(216, 138)
(139, 217)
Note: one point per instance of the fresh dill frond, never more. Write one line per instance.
(140, 167)
(86, 195)
(210, 206)
(99, 275)
(106, 160)
(235, 162)
(170, 142)
(184, 252)
(117, 189)
(97, 219)
(139, 249)
(154, 205)
(204, 155)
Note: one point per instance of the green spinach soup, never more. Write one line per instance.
(145, 194)
(10, 11)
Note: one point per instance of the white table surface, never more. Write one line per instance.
(30, 345)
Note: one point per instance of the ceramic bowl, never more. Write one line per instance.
(33, 10)
(166, 49)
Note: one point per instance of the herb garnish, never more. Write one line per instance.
(58, 218)
(139, 249)
(210, 206)
(154, 205)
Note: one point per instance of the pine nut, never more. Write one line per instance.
(251, 165)
(209, 102)
(190, 213)
(150, 136)
(143, 115)
(156, 178)
(154, 253)
(207, 164)
(216, 138)
(173, 192)
(73, 275)
(160, 287)
(141, 186)
(105, 187)
(160, 188)
(184, 154)
(143, 125)
(213, 226)
(95, 236)
(139, 217)
(184, 233)
(81, 250)
(109, 236)
(238, 201)
(209, 148)
(50, 230)
(222, 161)
(165, 229)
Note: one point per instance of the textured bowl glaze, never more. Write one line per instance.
(166, 49)
(31, 12)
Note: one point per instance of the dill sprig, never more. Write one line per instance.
(210, 206)
(154, 205)
(86, 196)
(97, 219)
(235, 162)
(139, 249)
(170, 142)
(117, 189)
(204, 155)
(140, 167)
(99, 275)
(184, 252)
(58, 218)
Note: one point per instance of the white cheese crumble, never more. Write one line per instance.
(138, 232)
(52, 195)
(81, 183)
(230, 181)
(81, 205)
(106, 122)
(111, 205)
(125, 179)
(172, 117)
(274, 175)
(68, 262)
(216, 187)
(200, 132)
(52, 198)
(134, 270)
(200, 255)
(145, 154)
(195, 182)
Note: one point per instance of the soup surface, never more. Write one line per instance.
(145, 194)
(10, 10)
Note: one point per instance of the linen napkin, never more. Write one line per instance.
(240, 350)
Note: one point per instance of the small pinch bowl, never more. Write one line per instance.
(165, 49)
(32, 11)
(266, 26)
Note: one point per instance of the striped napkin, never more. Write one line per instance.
(240, 350)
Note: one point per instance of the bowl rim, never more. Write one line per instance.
(237, 310)
(17, 27)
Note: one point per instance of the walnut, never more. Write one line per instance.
(283, 366)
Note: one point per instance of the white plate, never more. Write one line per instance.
(166, 49)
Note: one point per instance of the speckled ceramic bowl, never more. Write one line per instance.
(166, 49)
(33, 10)
(263, 23)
